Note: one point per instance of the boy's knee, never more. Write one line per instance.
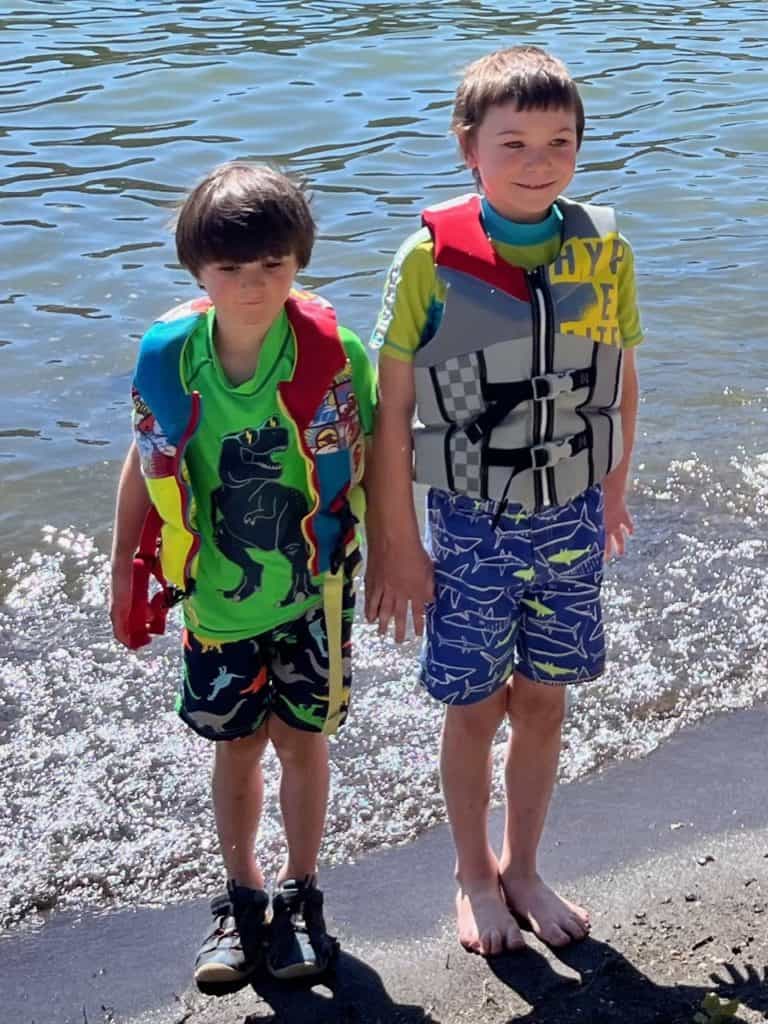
(536, 706)
(475, 723)
(244, 748)
(295, 745)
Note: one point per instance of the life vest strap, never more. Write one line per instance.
(147, 616)
(342, 510)
(539, 456)
(538, 389)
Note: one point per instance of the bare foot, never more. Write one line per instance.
(551, 918)
(484, 921)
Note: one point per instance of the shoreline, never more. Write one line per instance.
(669, 852)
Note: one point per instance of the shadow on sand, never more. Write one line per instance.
(353, 993)
(609, 989)
(612, 990)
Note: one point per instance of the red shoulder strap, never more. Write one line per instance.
(462, 244)
(319, 356)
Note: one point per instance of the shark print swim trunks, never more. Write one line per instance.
(521, 594)
(228, 689)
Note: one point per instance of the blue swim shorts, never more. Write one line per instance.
(523, 595)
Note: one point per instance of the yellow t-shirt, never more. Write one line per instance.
(414, 295)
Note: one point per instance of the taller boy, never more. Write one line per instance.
(508, 328)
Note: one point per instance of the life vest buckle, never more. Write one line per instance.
(550, 385)
(549, 454)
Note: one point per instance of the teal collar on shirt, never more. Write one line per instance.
(514, 233)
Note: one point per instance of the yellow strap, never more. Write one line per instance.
(333, 607)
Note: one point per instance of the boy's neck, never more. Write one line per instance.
(502, 229)
(238, 339)
(238, 348)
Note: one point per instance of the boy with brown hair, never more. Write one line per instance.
(251, 409)
(507, 335)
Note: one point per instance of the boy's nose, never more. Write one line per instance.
(538, 157)
(252, 279)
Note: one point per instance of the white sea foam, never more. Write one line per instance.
(107, 794)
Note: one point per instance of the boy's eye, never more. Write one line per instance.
(559, 142)
(513, 144)
(273, 264)
(228, 268)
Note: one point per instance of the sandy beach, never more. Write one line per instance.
(670, 853)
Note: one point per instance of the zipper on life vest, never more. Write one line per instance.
(543, 344)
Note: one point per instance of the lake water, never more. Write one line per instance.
(107, 115)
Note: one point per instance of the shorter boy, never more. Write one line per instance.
(507, 334)
(251, 409)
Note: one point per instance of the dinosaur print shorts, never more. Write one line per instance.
(520, 596)
(228, 689)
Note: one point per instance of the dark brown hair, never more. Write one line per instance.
(243, 212)
(525, 75)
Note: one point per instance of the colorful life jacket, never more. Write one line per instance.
(518, 391)
(169, 542)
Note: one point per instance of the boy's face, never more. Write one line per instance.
(248, 295)
(525, 158)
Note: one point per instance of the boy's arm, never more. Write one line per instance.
(130, 512)
(399, 571)
(618, 521)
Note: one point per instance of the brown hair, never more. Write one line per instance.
(525, 75)
(243, 212)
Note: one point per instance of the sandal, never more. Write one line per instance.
(300, 946)
(234, 946)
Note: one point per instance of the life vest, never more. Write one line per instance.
(518, 391)
(169, 542)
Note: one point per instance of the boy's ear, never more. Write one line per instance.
(467, 147)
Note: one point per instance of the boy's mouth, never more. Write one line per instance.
(536, 188)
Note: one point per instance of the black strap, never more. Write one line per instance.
(347, 522)
(539, 456)
(506, 397)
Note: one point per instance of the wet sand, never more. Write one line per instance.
(670, 853)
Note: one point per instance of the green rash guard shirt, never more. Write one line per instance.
(414, 295)
(237, 497)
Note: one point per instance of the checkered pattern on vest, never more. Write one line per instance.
(459, 382)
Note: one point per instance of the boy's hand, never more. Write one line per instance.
(120, 600)
(618, 521)
(392, 582)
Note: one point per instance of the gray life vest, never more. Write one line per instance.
(518, 391)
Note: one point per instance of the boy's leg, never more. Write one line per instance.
(238, 793)
(484, 923)
(311, 672)
(303, 795)
(468, 656)
(536, 713)
(560, 641)
(224, 696)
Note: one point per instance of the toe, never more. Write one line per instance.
(492, 943)
(577, 927)
(513, 938)
(554, 935)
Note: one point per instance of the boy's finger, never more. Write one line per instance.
(372, 602)
(417, 615)
(401, 620)
(386, 610)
